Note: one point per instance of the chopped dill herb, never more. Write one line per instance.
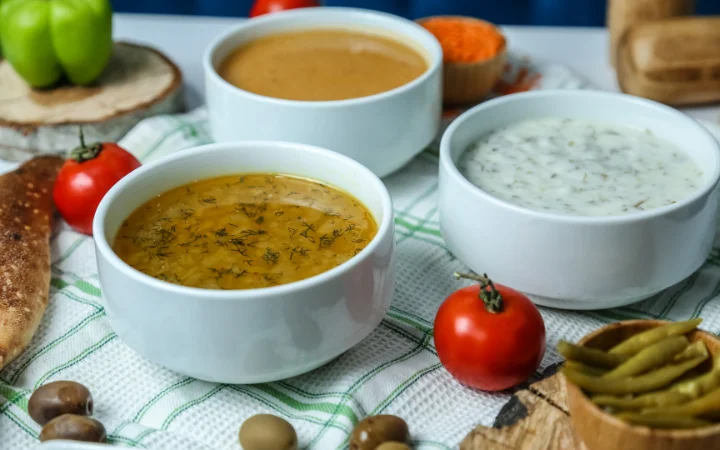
(326, 241)
(187, 213)
(298, 251)
(270, 256)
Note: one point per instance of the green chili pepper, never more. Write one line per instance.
(693, 350)
(588, 355)
(45, 40)
(582, 368)
(632, 385)
(707, 404)
(700, 385)
(650, 400)
(662, 421)
(653, 356)
(639, 341)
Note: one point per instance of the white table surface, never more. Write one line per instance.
(184, 39)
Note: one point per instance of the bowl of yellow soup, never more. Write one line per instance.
(362, 83)
(247, 262)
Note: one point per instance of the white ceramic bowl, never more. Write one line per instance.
(254, 335)
(569, 261)
(382, 131)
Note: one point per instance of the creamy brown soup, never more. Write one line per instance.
(322, 64)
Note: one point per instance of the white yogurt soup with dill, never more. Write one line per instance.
(580, 167)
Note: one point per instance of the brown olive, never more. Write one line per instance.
(392, 445)
(57, 398)
(267, 432)
(73, 428)
(374, 430)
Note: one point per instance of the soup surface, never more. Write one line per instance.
(244, 231)
(322, 64)
(580, 168)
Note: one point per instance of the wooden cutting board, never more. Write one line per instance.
(138, 82)
(535, 418)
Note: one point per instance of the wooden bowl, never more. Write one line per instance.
(472, 81)
(602, 431)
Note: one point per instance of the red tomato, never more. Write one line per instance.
(86, 177)
(491, 343)
(261, 7)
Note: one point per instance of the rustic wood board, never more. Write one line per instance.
(139, 82)
(535, 418)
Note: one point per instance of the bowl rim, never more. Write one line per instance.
(447, 164)
(435, 54)
(385, 227)
(685, 434)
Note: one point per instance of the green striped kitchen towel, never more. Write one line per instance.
(395, 370)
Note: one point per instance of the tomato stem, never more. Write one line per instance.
(488, 293)
(83, 152)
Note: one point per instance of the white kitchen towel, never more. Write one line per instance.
(394, 371)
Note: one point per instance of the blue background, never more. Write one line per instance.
(508, 12)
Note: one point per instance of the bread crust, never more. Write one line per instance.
(673, 61)
(26, 213)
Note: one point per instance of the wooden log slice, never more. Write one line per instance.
(139, 82)
(535, 418)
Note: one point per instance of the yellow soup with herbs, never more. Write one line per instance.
(244, 231)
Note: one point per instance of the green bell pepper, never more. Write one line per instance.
(1, 56)
(46, 39)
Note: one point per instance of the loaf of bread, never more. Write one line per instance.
(26, 210)
(622, 15)
(673, 61)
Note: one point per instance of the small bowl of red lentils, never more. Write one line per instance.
(474, 56)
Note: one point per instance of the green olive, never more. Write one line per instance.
(267, 432)
(372, 431)
(57, 398)
(72, 427)
(392, 445)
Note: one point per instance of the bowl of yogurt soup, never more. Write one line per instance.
(582, 199)
(362, 83)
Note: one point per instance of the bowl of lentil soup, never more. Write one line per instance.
(581, 199)
(351, 80)
(247, 262)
